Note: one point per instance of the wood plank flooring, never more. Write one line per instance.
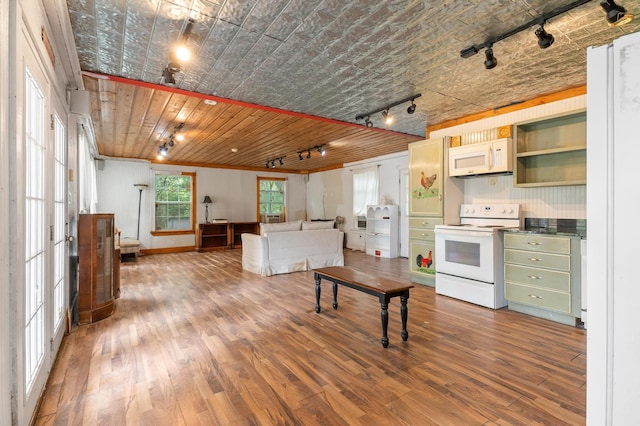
(197, 341)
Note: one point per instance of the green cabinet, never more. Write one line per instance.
(434, 199)
(551, 152)
(542, 275)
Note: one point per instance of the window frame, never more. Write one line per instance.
(160, 232)
(259, 179)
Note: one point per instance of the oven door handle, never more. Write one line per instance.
(446, 232)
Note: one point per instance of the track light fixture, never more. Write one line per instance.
(163, 150)
(173, 137)
(544, 38)
(368, 122)
(179, 54)
(490, 61)
(616, 15)
(385, 111)
(388, 118)
(319, 148)
(271, 164)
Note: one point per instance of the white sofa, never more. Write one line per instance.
(291, 247)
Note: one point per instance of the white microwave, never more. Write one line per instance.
(481, 158)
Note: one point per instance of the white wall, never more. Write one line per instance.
(330, 193)
(233, 193)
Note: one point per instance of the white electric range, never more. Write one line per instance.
(470, 255)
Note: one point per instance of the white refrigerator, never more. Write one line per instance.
(613, 203)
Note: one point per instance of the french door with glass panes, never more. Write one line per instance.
(41, 231)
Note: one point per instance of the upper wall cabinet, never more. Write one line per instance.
(551, 152)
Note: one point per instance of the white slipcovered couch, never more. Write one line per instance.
(291, 247)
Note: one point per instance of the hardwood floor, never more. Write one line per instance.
(197, 341)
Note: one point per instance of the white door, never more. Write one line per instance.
(40, 230)
(404, 212)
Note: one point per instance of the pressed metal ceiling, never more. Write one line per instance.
(292, 74)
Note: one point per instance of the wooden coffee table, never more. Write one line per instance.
(383, 288)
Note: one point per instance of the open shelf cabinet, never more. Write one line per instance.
(551, 152)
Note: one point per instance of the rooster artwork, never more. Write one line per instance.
(426, 190)
(424, 263)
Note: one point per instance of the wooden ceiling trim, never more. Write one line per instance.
(540, 100)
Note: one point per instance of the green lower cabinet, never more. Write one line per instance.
(542, 276)
(538, 297)
(422, 261)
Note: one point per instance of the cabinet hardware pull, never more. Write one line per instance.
(533, 243)
(535, 259)
(535, 296)
(424, 235)
(533, 277)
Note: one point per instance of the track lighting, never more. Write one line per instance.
(616, 15)
(319, 148)
(385, 111)
(368, 122)
(271, 164)
(168, 77)
(173, 137)
(388, 118)
(490, 61)
(179, 54)
(544, 38)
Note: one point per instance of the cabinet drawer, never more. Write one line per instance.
(560, 262)
(422, 234)
(555, 280)
(424, 222)
(536, 242)
(547, 299)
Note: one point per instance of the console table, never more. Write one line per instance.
(384, 289)
(223, 235)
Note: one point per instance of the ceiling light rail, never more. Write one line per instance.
(271, 164)
(615, 15)
(320, 148)
(388, 118)
(175, 136)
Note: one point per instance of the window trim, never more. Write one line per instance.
(166, 233)
(284, 207)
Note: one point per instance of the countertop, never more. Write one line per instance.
(560, 227)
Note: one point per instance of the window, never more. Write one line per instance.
(272, 197)
(365, 190)
(175, 203)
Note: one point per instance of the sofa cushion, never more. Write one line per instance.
(280, 227)
(320, 224)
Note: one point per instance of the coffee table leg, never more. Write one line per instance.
(404, 314)
(335, 295)
(317, 278)
(385, 322)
